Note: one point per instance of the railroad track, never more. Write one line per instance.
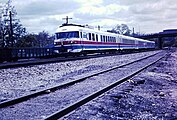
(61, 58)
(38, 61)
(85, 98)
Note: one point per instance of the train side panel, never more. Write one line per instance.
(94, 40)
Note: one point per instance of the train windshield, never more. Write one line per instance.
(72, 34)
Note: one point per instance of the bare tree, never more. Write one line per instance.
(11, 29)
(121, 29)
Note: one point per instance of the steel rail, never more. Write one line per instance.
(60, 58)
(57, 87)
(42, 61)
(83, 101)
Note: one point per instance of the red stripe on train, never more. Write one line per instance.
(94, 42)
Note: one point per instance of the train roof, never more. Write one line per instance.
(73, 27)
(137, 39)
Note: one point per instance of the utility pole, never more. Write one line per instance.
(1, 29)
(133, 31)
(99, 27)
(67, 19)
(11, 29)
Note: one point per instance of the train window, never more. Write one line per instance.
(132, 41)
(96, 37)
(104, 40)
(128, 41)
(57, 35)
(140, 42)
(84, 35)
(124, 40)
(101, 38)
(114, 39)
(109, 39)
(72, 34)
(90, 36)
(93, 36)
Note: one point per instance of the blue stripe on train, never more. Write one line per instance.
(102, 47)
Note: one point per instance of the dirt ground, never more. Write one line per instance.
(152, 95)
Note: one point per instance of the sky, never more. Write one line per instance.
(145, 16)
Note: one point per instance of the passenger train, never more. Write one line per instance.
(77, 38)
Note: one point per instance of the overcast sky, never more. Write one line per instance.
(146, 16)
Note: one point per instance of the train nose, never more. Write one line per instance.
(62, 42)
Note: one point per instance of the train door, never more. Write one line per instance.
(118, 42)
(136, 44)
(96, 40)
(81, 40)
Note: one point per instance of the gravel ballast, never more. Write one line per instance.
(15, 82)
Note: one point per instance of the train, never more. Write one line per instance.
(72, 38)
(14, 54)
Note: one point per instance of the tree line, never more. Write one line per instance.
(14, 34)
